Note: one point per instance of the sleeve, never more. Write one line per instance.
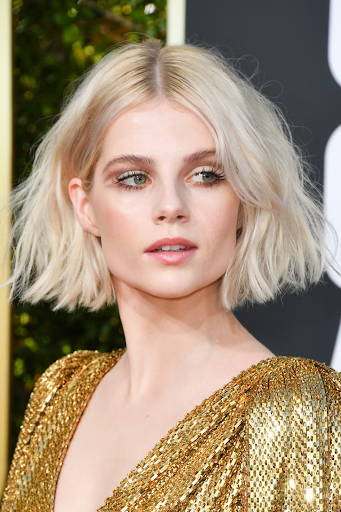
(294, 433)
(47, 386)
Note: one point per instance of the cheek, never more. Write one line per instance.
(120, 233)
(220, 222)
(114, 218)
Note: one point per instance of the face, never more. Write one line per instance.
(160, 202)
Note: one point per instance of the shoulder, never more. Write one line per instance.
(67, 368)
(288, 374)
(284, 379)
(296, 398)
(62, 377)
(293, 425)
(59, 395)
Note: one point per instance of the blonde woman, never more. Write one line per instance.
(171, 186)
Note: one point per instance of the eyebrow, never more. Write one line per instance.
(145, 160)
(199, 155)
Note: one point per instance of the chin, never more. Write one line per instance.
(172, 296)
(175, 291)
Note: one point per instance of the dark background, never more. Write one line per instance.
(283, 47)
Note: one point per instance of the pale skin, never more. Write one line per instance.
(181, 345)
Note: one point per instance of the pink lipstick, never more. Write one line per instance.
(171, 251)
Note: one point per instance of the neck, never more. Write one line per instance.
(169, 339)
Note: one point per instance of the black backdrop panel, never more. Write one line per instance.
(284, 45)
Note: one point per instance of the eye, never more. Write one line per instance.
(204, 176)
(208, 177)
(137, 179)
(131, 179)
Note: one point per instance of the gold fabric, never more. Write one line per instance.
(270, 440)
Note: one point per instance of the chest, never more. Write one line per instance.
(107, 444)
(74, 453)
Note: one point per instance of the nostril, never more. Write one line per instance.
(171, 217)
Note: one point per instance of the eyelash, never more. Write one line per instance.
(120, 180)
(219, 176)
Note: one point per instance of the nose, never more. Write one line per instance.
(170, 205)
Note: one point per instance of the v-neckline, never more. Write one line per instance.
(228, 387)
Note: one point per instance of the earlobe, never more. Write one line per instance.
(82, 207)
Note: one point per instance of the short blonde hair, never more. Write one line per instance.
(281, 243)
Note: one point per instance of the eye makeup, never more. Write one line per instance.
(136, 179)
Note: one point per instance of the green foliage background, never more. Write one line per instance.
(54, 43)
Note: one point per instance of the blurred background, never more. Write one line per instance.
(54, 43)
(285, 47)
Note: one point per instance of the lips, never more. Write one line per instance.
(170, 242)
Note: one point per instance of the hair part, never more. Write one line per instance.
(281, 243)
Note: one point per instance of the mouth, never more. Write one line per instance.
(173, 248)
(172, 251)
(172, 245)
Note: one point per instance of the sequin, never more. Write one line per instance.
(270, 440)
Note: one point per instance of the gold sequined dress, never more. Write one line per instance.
(270, 440)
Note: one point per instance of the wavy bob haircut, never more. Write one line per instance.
(281, 242)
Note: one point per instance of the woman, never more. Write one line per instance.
(170, 185)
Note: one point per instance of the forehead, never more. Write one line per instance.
(157, 127)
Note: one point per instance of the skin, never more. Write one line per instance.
(176, 331)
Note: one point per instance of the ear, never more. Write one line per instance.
(82, 206)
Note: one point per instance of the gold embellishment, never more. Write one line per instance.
(270, 440)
